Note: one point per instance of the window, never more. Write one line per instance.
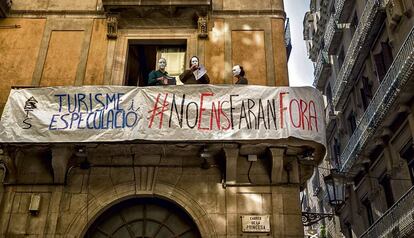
(352, 122)
(348, 228)
(143, 56)
(354, 23)
(144, 217)
(383, 60)
(407, 153)
(341, 58)
(337, 152)
(368, 211)
(329, 93)
(366, 92)
(385, 182)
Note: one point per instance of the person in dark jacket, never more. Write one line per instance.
(239, 73)
(196, 74)
(160, 76)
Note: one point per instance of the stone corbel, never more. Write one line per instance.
(112, 26)
(61, 155)
(277, 159)
(231, 155)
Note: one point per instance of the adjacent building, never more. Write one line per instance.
(363, 58)
(55, 52)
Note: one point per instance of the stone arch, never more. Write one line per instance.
(106, 198)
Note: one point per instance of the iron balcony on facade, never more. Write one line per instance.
(322, 69)
(318, 38)
(333, 36)
(4, 7)
(398, 221)
(358, 49)
(391, 87)
(344, 9)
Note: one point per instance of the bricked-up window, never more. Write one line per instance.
(407, 153)
(368, 211)
(385, 182)
(383, 60)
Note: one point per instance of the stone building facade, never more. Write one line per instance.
(363, 63)
(146, 189)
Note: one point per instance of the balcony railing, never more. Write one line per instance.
(398, 221)
(322, 67)
(343, 9)
(394, 81)
(331, 31)
(356, 50)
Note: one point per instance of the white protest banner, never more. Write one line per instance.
(170, 113)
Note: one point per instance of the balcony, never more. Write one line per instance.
(344, 9)
(4, 7)
(358, 49)
(318, 38)
(332, 36)
(322, 69)
(398, 221)
(394, 82)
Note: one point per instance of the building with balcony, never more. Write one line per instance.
(364, 65)
(88, 150)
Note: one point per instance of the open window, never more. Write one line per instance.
(143, 56)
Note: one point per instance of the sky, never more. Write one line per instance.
(300, 66)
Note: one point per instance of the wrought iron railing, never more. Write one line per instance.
(339, 7)
(395, 79)
(321, 62)
(330, 32)
(360, 36)
(398, 221)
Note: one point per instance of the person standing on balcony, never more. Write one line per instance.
(196, 74)
(239, 73)
(160, 76)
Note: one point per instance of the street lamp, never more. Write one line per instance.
(335, 186)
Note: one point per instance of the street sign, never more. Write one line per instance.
(255, 223)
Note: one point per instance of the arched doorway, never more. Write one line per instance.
(144, 218)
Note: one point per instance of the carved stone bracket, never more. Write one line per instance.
(231, 154)
(60, 159)
(112, 25)
(277, 156)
